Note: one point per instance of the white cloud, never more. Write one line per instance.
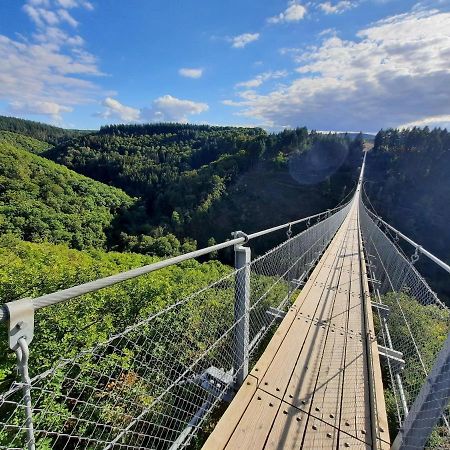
(244, 39)
(48, 72)
(41, 16)
(66, 17)
(261, 78)
(442, 121)
(163, 109)
(46, 108)
(394, 72)
(172, 109)
(293, 13)
(68, 4)
(190, 73)
(116, 110)
(337, 8)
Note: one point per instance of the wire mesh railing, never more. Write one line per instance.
(158, 381)
(413, 327)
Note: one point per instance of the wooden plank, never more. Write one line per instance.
(304, 371)
(382, 425)
(227, 424)
(303, 302)
(355, 412)
(326, 401)
(287, 430)
(321, 435)
(255, 424)
(280, 370)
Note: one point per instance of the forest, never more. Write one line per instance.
(76, 206)
(407, 183)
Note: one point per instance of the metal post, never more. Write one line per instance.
(242, 260)
(429, 405)
(20, 334)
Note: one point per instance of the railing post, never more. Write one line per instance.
(242, 258)
(20, 334)
(428, 406)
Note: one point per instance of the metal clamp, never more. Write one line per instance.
(415, 256)
(289, 231)
(21, 322)
(241, 234)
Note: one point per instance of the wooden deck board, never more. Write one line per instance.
(310, 387)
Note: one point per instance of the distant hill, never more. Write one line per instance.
(41, 200)
(198, 181)
(408, 184)
(352, 135)
(23, 142)
(37, 130)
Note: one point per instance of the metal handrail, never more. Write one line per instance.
(418, 247)
(93, 286)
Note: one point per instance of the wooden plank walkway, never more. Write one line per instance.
(311, 387)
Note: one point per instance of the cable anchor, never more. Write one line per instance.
(416, 255)
(289, 231)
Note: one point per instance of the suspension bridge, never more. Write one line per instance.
(318, 343)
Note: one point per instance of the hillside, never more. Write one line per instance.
(23, 142)
(35, 269)
(41, 131)
(407, 181)
(40, 200)
(201, 181)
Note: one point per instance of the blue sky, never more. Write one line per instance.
(329, 65)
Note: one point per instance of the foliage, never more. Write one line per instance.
(408, 173)
(23, 142)
(180, 335)
(185, 174)
(40, 200)
(40, 131)
(430, 326)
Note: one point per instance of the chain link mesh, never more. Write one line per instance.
(417, 325)
(158, 382)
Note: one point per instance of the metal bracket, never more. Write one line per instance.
(21, 321)
(382, 309)
(395, 357)
(276, 313)
(216, 381)
(374, 281)
(239, 234)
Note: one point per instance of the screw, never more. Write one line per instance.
(265, 383)
(317, 409)
(285, 411)
(256, 369)
(259, 398)
(298, 419)
(382, 429)
(329, 435)
(291, 396)
(270, 404)
(346, 444)
(248, 383)
(363, 431)
(347, 424)
(20, 324)
(277, 389)
(314, 427)
(332, 416)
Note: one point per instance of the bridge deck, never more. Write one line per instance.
(311, 387)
